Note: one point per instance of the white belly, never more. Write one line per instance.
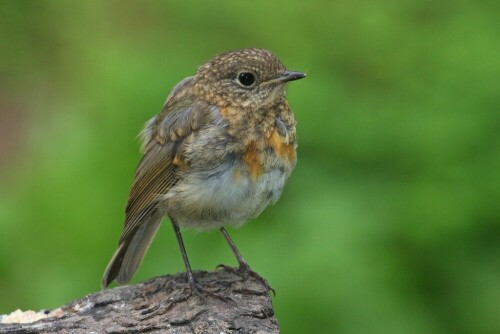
(227, 196)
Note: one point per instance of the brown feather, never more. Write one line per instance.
(156, 172)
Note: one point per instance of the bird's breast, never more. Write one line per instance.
(236, 189)
(273, 152)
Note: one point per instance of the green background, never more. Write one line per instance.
(390, 222)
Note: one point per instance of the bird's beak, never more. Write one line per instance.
(291, 75)
(287, 76)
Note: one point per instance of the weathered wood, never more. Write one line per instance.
(163, 305)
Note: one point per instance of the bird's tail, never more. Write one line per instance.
(130, 252)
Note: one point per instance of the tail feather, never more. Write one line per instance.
(130, 252)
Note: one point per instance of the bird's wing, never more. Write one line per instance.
(157, 171)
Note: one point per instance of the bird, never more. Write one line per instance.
(218, 153)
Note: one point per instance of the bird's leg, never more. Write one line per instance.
(195, 287)
(243, 265)
(178, 235)
(244, 269)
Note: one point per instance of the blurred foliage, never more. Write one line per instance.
(390, 222)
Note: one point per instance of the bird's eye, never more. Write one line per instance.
(246, 79)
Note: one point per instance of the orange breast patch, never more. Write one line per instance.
(283, 150)
(252, 159)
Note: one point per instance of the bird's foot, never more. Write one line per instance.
(244, 271)
(201, 292)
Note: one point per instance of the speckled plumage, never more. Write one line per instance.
(217, 154)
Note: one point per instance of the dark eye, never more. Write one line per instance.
(246, 79)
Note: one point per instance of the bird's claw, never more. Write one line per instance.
(201, 292)
(244, 271)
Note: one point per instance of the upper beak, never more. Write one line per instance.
(291, 75)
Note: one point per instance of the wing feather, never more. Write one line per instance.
(156, 173)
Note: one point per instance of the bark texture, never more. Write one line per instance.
(163, 305)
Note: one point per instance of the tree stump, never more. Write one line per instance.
(160, 305)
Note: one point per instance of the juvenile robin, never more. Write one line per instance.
(217, 154)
